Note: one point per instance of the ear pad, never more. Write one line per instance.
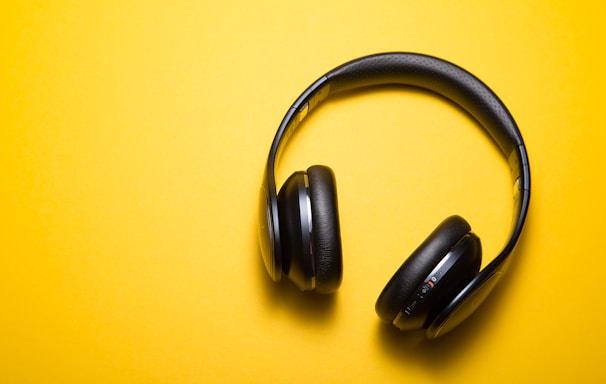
(442, 265)
(326, 239)
(309, 230)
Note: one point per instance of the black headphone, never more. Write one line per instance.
(440, 284)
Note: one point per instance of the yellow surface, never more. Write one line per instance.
(132, 141)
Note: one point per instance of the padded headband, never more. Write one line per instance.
(426, 72)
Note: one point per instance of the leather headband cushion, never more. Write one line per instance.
(420, 263)
(326, 241)
(442, 77)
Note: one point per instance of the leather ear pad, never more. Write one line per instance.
(418, 266)
(326, 235)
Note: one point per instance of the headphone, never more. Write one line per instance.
(440, 284)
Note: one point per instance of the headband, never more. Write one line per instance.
(435, 75)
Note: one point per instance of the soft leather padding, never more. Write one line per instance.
(326, 235)
(420, 263)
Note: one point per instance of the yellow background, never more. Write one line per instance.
(133, 137)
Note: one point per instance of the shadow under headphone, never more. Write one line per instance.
(440, 284)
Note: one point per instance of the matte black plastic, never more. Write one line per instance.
(447, 320)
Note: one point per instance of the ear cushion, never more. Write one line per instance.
(326, 241)
(420, 263)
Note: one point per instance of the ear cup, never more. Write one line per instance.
(326, 234)
(309, 230)
(407, 287)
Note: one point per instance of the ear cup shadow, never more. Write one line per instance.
(326, 234)
(409, 278)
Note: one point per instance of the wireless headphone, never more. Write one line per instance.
(440, 284)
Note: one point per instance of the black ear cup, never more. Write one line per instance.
(435, 272)
(326, 238)
(309, 230)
